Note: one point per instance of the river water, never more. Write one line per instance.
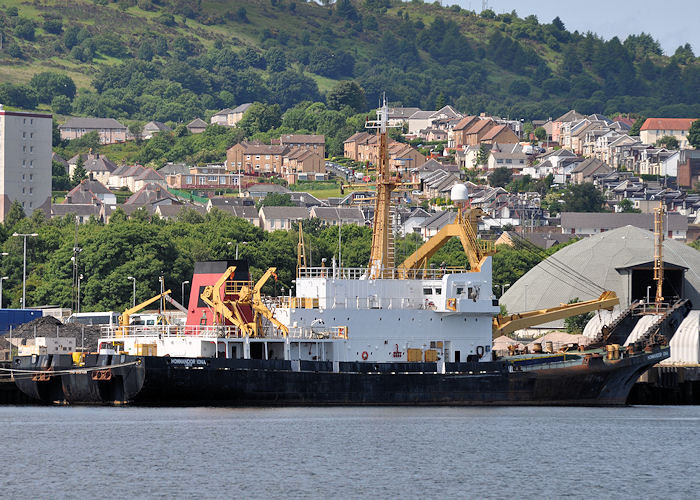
(375, 452)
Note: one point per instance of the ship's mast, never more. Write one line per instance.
(381, 261)
(659, 252)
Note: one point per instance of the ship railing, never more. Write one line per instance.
(161, 331)
(216, 332)
(370, 302)
(358, 273)
(319, 333)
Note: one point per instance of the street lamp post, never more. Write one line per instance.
(229, 243)
(182, 288)
(503, 287)
(133, 295)
(1, 280)
(24, 266)
(162, 289)
(80, 278)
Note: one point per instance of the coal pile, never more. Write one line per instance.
(48, 326)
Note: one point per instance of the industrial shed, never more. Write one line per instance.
(620, 260)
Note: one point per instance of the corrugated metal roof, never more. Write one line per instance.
(599, 258)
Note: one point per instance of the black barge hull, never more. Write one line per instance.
(150, 380)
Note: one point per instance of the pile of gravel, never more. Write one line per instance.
(48, 326)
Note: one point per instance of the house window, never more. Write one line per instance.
(188, 179)
(31, 149)
(267, 157)
(257, 157)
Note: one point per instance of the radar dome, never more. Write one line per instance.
(459, 192)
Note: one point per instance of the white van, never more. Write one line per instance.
(109, 318)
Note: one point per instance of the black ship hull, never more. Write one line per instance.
(149, 380)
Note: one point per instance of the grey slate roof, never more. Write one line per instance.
(79, 209)
(247, 212)
(303, 139)
(305, 199)
(345, 214)
(197, 123)
(172, 211)
(570, 116)
(92, 123)
(267, 188)
(438, 220)
(174, 169)
(149, 194)
(242, 108)
(150, 174)
(156, 127)
(675, 221)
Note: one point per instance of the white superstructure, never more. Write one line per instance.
(340, 315)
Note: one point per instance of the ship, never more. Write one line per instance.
(381, 334)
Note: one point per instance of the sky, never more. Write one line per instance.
(671, 22)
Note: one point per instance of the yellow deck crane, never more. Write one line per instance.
(231, 309)
(503, 325)
(125, 317)
(465, 228)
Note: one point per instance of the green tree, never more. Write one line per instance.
(79, 172)
(136, 128)
(668, 141)
(61, 105)
(540, 134)
(440, 101)
(583, 198)
(576, 324)
(694, 134)
(500, 177)
(59, 177)
(627, 206)
(25, 29)
(519, 88)
(54, 26)
(276, 59)
(14, 215)
(634, 131)
(277, 200)
(260, 118)
(483, 155)
(347, 93)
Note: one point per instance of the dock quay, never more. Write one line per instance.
(667, 385)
